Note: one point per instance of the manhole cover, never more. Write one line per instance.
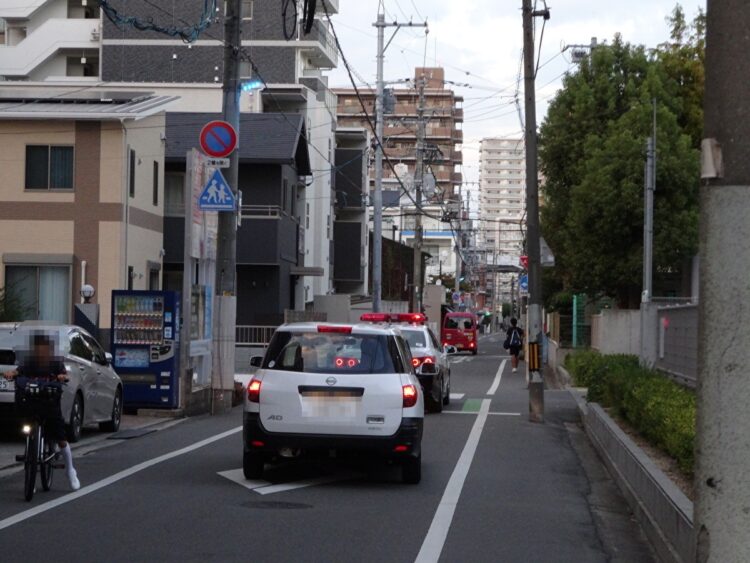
(277, 505)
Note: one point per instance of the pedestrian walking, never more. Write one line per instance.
(514, 342)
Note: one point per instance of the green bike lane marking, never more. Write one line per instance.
(472, 405)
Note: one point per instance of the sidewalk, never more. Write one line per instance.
(91, 438)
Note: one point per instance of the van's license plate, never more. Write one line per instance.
(6, 385)
(334, 407)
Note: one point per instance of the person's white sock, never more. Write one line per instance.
(514, 370)
(69, 469)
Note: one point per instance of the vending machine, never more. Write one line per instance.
(146, 346)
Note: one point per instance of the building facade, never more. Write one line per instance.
(502, 211)
(69, 41)
(82, 198)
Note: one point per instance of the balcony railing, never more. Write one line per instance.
(320, 44)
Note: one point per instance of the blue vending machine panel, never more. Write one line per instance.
(145, 346)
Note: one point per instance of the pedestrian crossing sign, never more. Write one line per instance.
(217, 195)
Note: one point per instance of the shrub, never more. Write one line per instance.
(659, 409)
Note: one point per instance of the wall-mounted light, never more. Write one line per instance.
(87, 291)
(252, 84)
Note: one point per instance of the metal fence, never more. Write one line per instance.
(677, 343)
(254, 336)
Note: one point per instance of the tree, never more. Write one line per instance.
(592, 153)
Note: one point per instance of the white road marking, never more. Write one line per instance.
(457, 396)
(498, 378)
(432, 546)
(489, 413)
(458, 360)
(267, 488)
(88, 489)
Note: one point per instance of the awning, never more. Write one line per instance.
(313, 271)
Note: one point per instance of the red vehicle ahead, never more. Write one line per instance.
(460, 330)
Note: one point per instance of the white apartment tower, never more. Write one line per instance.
(502, 207)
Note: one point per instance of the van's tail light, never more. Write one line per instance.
(253, 391)
(418, 361)
(410, 396)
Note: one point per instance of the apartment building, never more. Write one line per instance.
(43, 40)
(443, 160)
(502, 208)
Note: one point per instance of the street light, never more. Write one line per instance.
(87, 292)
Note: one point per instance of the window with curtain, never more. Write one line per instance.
(49, 167)
(40, 292)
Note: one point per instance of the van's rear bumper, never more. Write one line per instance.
(257, 439)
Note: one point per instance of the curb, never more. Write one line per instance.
(662, 509)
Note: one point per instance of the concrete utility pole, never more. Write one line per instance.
(722, 508)
(418, 180)
(225, 306)
(377, 196)
(459, 240)
(534, 328)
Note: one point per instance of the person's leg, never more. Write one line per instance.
(66, 453)
(514, 359)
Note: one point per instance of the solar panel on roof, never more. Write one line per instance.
(19, 95)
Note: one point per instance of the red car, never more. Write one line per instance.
(460, 330)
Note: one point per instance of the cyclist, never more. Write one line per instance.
(41, 364)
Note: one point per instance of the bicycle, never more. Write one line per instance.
(35, 399)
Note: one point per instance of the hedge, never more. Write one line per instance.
(659, 409)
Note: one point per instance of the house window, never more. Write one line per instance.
(49, 167)
(156, 183)
(174, 194)
(39, 292)
(131, 174)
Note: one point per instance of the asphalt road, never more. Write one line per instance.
(495, 487)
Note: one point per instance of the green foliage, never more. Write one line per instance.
(592, 154)
(506, 310)
(561, 302)
(659, 409)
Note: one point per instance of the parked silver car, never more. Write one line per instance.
(94, 392)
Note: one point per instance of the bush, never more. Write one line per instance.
(659, 409)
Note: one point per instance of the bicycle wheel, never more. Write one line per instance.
(48, 458)
(32, 452)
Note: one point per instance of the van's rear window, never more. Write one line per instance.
(7, 357)
(315, 352)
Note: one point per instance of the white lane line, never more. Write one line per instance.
(498, 378)
(267, 488)
(489, 413)
(88, 489)
(457, 396)
(432, 546)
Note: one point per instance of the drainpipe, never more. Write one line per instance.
(83, 276)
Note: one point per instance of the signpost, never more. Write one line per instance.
(218, 139)
(217, 195)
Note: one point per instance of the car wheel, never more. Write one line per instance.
(411, 470)
(76, 420)
(252, 465)
(447, 398)
(113, 425)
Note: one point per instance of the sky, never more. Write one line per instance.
(479, 43)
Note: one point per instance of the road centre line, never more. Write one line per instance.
(498, 378)
(88, 489)
(432, 546)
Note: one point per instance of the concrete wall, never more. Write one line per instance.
(338, 308)
(615, 331)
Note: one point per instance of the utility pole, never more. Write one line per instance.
(225, 305)
(459, 240)
(534, 328)
(418, 180)
(722, 518)
(377, 196)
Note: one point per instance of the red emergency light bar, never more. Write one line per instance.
(338, 329)
(417, 318)
(375, 317)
